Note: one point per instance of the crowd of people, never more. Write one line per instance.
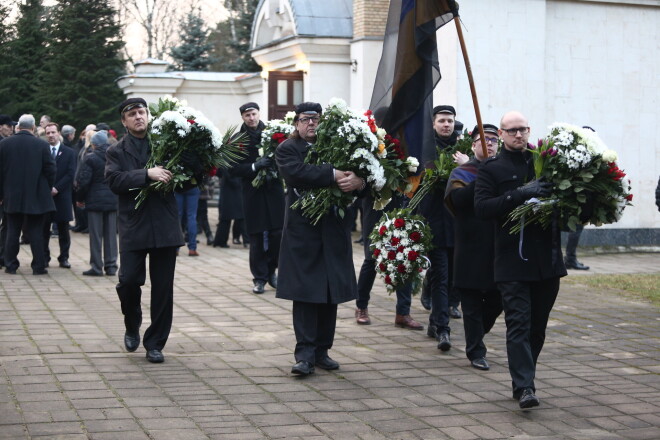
(48, 179)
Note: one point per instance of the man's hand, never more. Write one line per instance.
(263, 162)
(348, 181)
(159, 174)
(460, 158)
(535, 188)
(54, 192)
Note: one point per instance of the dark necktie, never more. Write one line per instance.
(53, 153)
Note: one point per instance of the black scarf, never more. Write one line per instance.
(254, 134)
(445, 142)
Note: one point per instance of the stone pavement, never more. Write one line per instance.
(64, 373)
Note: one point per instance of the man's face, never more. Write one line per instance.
(6, 130)
(251, 118)
(43, 121)
(135, 121)
(306, 126)
(491, 146)
(514, 131)
(443, 124)
(52, 135)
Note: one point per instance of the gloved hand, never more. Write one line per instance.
(190, 161)
(535, 188)
(263, 162)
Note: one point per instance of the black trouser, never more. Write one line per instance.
(63, 238)
(34, 230)
(438, 283)
(480, 310)
(572, 242)
(366, 282)
(527, 307)
(264, 254)
(454, 296)
(314, 325)
(3, 235)
(203, 218)
(222, 233)
(132, 275)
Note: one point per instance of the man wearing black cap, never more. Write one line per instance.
(528, 264)
(316, 261)
(6, 126)
(473, 253)
(438, 278)
(263, 207)
(153, 230)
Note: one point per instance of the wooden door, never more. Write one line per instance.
(285, 91)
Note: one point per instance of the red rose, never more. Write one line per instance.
(388, 280)
(399, 223)
(382, 267)
(412, 256)
(629, 197)
(401, 268)
(382, 230)
(395, 241)
(376, 253)
(400, 249)
(415, 236)
(391, 255)
(278, 137)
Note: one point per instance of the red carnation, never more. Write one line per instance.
(382, 267)
(376, 253)
(412, 256)
(395, 241)
(278, 137)
(213, 171)
(388, 280)
(400, 249)
(399, 223)
(191, 121)
(415, 236)
(382, 230)
(368, 113)
(391, 255)
(401, 268)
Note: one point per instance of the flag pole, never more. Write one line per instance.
(473, 90)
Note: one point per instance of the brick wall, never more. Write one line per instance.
(369, 18)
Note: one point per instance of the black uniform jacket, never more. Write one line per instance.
(66, 169)
(537, 256)
(316, 261)
(27, 174)
(156, 223)
(264, 206)
(474, 237)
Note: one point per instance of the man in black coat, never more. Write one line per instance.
(27, 174)
(263, 207)
(528, 264)
(62, 193)
(316, 261)
(6, 129)
(152, 230)
(473, 251)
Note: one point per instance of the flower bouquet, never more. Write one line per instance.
(176, 130)
(588, 186)
(343, 139)
(400, 244)
(435, 178)
(275, 132)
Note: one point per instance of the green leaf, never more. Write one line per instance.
(564, 184)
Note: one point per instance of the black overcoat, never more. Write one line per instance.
(264, 206)
(316, 261)
(92, 188)
(66, 170)
(156, 223)
(231, 198)
(495, 196)
(474, 237)
(27, 175)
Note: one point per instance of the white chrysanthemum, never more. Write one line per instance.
(405, 242)
(339, 104)
(181, 132)
(610, 156)
(399, 256)
(172, 116)
(390, 267)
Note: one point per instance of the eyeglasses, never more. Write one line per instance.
(514, 131)
(489, 140)
(306, 121)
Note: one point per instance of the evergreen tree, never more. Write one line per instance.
(84, 61)
(193, 52)
(232, 38)
(24, 50)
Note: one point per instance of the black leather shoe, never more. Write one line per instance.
(528, 399)
(92, 273)
(236, 241)
(480, 364)
(327, 363)
(425, 299)
(258, 287)
(272, 280)
(302, 368)
(155, 356)
(444, 343)
(39, 272)
(574, 264)
(111, 272)
(432, 331)
(65, 264)
(132, 341)
(10, 271)
(454, 313)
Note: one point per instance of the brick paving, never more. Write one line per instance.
(64, 373)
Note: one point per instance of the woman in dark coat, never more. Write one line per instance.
(231, 208)
(101, 205)
(316, 261)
